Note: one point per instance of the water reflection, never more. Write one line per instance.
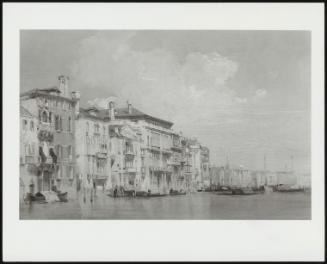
(190, 206)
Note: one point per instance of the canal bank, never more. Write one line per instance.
(204, 206)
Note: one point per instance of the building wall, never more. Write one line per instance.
(55, 117)
(92, 149)
(28, 155)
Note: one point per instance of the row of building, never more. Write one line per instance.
(63, 144)
(241, 177)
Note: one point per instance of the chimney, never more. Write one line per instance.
(76, 97)
(129, 107)
(111, 110)
(63, 85)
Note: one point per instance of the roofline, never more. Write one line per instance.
(144, 116)
(38, 93)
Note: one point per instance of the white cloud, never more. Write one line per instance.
(260, 93)
(241, 100)
(156, 81)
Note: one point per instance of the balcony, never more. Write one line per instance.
(155, 148)
(131, 169)
(129, 152)
(174, 162)
(30, 159)
(45, 135)
(101, 155)
(48, 160)
(166, 151)
(177, 147)
(161, 169)
(44, 126)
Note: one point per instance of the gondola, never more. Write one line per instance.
(62, 196)
(173, 192)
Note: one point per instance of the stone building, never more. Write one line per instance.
(158, 169)
(205, 166)
(198, 164)
(92, 141)
(55, 112)
(125, 155)
(28, 152)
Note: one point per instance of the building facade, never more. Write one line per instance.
(92, 140)
(116, 147)
(28, 153)
(55, 112)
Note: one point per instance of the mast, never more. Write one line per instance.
(265, 169)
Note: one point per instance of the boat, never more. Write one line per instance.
(224, 190)
(142, 194)
(287, 188)
(175, 192)
(129, 193)
(156, 194)
(38, 197)
(62, 196)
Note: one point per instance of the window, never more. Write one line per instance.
(44, 117)
(50, 117)
(155, 139)
(104, 130)
(70, 152)
(57, 122)
(87, 128)
(24, 124)
(26, 149)
(31, 125)
(96, 128)
(69, 123)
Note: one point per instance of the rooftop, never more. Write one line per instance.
(122, 113)
(51, 92)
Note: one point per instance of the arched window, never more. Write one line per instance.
(44, 116)
(87, 128)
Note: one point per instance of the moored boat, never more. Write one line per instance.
(156, 194)
(288, 188)
(62, 196)
(175, 192)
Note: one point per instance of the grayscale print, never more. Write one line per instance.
(165, 124)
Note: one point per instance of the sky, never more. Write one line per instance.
(244, 94)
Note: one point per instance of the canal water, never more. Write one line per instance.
(205, 206)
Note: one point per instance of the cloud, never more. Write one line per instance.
(260, 93)
(101, 102)
(155, 81)
(241, 100)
